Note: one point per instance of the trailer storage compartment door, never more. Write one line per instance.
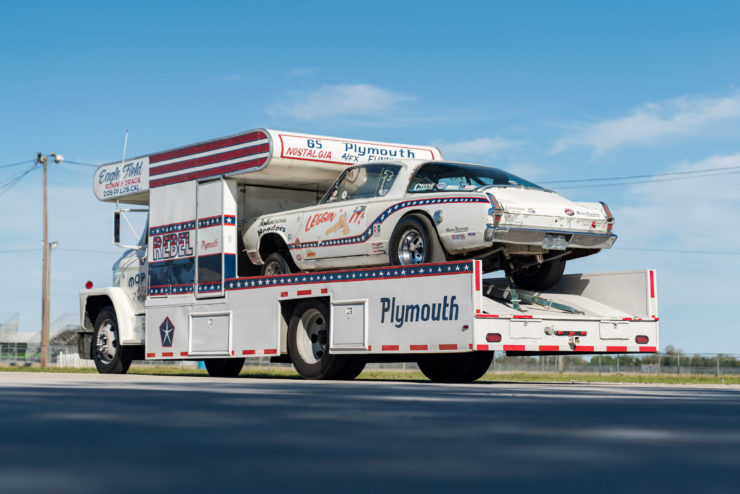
(215, 247)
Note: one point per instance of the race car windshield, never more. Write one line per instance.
(453, 177)
(363, 182)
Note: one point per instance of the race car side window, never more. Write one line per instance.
(439, 177)
(363, 182)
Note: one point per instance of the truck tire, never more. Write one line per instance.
(541, 277)
(276, 263)
(109, 355)
(308, 342)
(353, 367)
(415, 241)
(455, 367)
(224, 367)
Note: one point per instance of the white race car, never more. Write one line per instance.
(410, 212)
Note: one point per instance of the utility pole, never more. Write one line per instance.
(43, 160)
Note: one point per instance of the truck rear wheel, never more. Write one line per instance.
(109, 355)
(455, 367)
(352, 368)
(224, 367)
(308, 342)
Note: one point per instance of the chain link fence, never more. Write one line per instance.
(23, 354)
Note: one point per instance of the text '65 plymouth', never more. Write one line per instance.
(411, 212)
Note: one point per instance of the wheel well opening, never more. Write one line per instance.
(93, 306)
(420, 212)
(272, 242)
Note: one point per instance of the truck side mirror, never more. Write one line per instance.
(116, 227)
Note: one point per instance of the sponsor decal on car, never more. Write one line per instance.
(569, 212)
(271, 225)
(310, 253)
(378, 247)
(458, 236)
(457, 229)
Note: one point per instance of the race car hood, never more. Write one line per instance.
(520, 200)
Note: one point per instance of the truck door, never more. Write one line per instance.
(215, 237)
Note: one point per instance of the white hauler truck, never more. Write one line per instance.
(188, 290)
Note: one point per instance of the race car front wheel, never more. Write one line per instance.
(276, 263)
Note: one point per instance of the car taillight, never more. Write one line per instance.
(496, 211)
(641, 339)
(609, 217)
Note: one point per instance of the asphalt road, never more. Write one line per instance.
(87, 433)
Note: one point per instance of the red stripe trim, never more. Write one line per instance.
(652, 284)
(303, 292)
(583, 348)
(167, 354)
(656, 318)
(549, 348)
(616, 349)
(522, 317)
(151, 355)
(283, 294)
(389, 348)
(487, 316)
(482, 348)
(183, 354)
(271, 351)
(206, 146)
(626, 319)
(209, 160)
(514, 348)
(477, 276)
(221, 170)
(418, 347)
(649, 349)
(450, 346)
(249, 352)
(324, 290)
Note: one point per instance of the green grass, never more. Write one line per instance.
(412, 375)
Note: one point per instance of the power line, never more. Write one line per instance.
(17, 163)
(677, 251)
(7, 185)
(19, 250)
(639, 182)
(80, 164)
(651, 175)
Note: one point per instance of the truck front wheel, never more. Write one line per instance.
(109, 355)
(308, 342)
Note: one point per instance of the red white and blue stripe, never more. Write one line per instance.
(234, 154)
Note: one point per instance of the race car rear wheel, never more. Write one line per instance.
(414, 241)
(540, 277)
(308, 342)
(276, 263)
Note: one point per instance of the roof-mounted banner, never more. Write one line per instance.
(268, 156)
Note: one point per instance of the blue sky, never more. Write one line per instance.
(547, 90)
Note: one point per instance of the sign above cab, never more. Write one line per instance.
(256, 157)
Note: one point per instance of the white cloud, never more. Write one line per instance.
(341, 100)
(302, 71)
(694, 214)
(482, 147)
(651, 122)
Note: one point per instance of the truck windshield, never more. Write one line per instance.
(362, 182)
(454, 177)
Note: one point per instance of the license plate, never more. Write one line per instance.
(554, 242)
